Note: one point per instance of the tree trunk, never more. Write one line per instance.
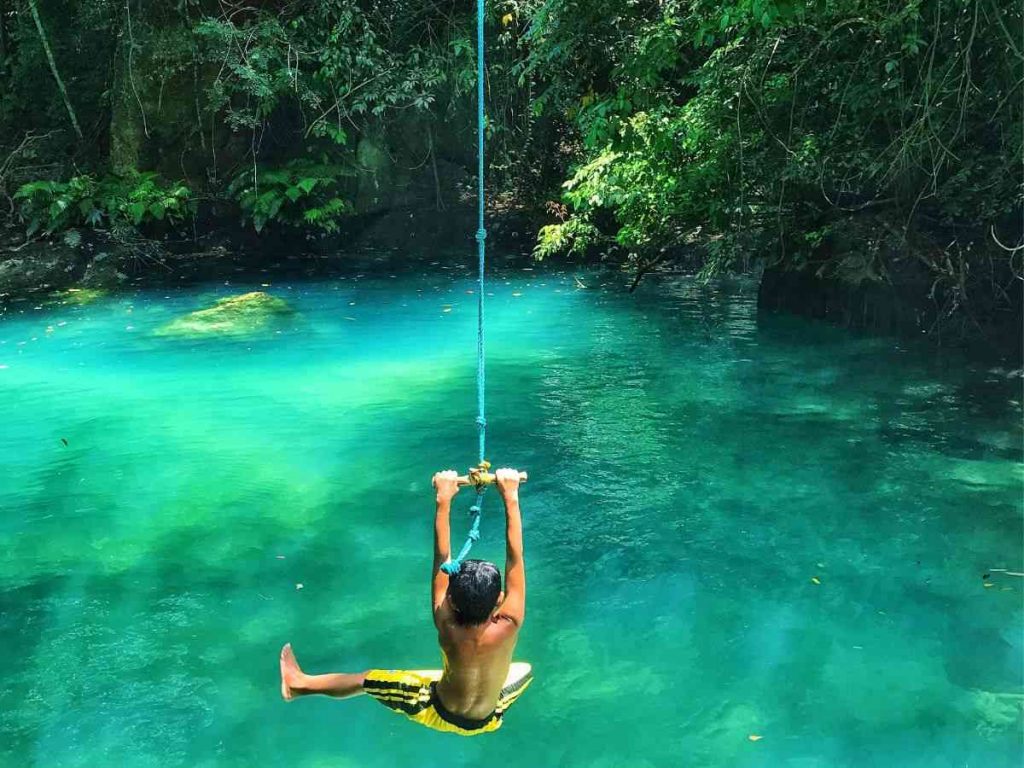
(126, 129)
(125, 133)
(53, 67)
(3, 33)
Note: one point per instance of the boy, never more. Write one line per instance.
(477, 628)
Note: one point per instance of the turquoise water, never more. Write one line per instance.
(693, 471)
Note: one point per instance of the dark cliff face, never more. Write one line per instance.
(903, 305)
(950, 283)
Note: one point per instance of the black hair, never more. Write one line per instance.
(474, 591)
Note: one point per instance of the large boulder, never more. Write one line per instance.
(40, 267)
(108, 269)
(242, 315)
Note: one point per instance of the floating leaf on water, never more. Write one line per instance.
(989, 584)
(299, 586)
(755, 737)
(815, 580)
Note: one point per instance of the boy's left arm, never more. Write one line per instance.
(446, 485)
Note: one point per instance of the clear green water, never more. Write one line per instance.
(692, 470)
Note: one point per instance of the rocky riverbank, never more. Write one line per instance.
(89, 259)
(908, 301)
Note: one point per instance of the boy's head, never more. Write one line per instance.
(474, 592)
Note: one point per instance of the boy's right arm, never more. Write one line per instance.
(514, 607)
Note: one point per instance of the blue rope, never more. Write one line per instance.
(481, 231)
(453, 566)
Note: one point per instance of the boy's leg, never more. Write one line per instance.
(294, 682)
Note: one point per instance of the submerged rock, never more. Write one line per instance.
(78, 296)
(234, 316)
(997, 712)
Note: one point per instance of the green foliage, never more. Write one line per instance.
(792, 129)
(80, 36)
(301, 193)
(339, 61)
(770, 123)
(112, 202)
(575, 236)
(164, 86)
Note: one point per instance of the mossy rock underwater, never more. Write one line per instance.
(249, 313)
(78, 296)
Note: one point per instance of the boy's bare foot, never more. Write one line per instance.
(291, 675)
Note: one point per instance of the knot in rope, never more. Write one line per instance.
(481, 235)
(481, 421)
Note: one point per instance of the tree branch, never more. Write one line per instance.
(53, 67)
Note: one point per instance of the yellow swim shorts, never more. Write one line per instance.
(414, 694)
